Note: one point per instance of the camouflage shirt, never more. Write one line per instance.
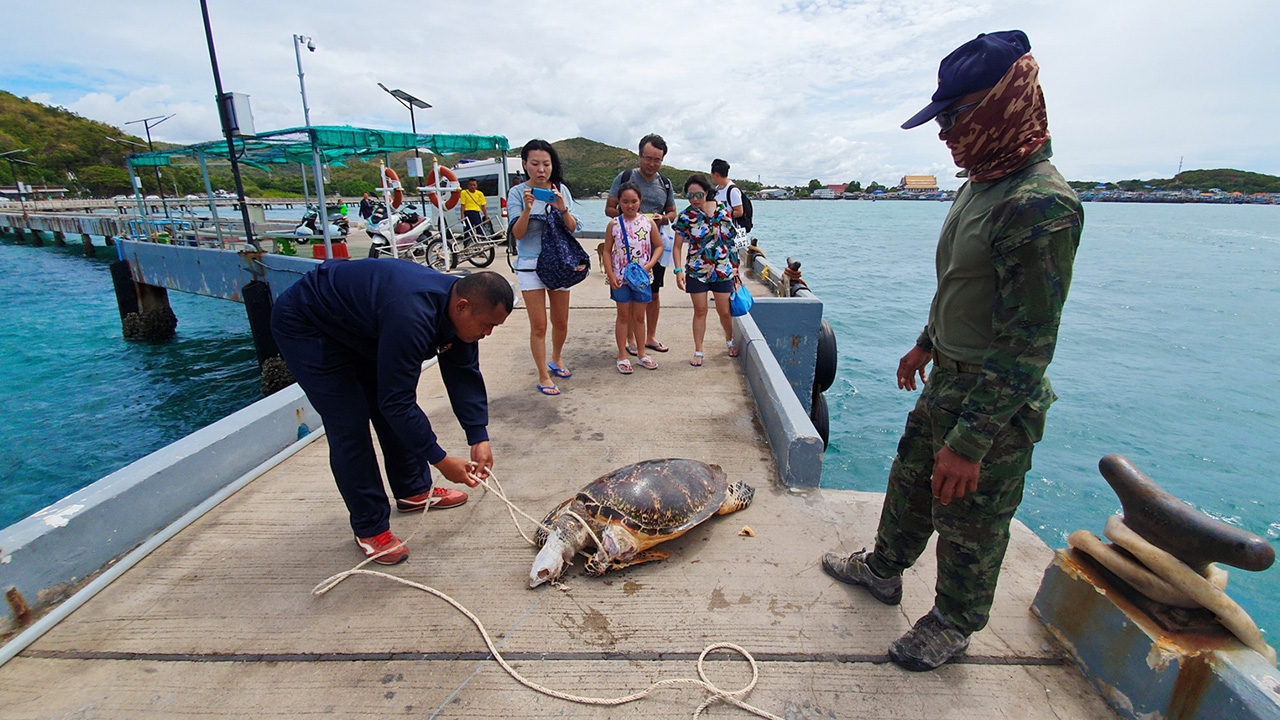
(1004, 266)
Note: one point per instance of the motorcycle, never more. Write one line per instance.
(310, 224)
(402, 230)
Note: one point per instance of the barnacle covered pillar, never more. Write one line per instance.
(144, 309)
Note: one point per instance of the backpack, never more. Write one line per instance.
(562, 263)
(745, 221)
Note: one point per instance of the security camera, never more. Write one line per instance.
(311, 46)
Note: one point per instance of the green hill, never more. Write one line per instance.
(67, 150)
(1222, 179)
(590, 166)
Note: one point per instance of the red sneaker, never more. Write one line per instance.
(393, 550)
(439, 498)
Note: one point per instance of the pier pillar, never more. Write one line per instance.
(86, 244)
(258, 304)
(59, 238)
(144, 309)
(36, 240)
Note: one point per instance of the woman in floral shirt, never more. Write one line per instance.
(711, 262)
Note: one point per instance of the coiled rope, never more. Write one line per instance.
(714, 693)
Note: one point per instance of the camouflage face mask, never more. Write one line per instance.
(1006, 128)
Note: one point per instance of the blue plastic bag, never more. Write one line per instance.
(740, 301)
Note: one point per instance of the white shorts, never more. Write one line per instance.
(529, 280)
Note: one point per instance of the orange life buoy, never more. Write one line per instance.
(397, 195)
(445, 172)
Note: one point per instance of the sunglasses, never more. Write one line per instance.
(695, 195)
(947, 118)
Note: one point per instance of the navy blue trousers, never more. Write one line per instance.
(342, 385)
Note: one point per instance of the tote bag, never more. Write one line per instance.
(562, 263)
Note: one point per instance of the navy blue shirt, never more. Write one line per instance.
(396, 313)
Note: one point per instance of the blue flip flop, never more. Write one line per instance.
(560, 372)
(548, 389)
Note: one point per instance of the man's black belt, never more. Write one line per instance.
(945, 363)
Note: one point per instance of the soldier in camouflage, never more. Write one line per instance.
(1004, 266)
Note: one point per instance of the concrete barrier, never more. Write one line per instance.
(48, 553)
(797, 448)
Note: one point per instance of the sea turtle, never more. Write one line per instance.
(632, 509)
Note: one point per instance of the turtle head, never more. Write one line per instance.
(565, 536)
(552, 559)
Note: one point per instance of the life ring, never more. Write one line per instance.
(397, 195)
(445, 172)
(824, 369)
(820, 417)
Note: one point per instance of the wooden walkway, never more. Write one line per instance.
(220, 622)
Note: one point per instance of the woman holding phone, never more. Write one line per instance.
(527, 203)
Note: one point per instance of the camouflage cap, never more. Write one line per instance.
(976, 65)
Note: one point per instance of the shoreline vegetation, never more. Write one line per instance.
(74, 157)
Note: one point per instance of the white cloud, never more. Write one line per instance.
(784, 91)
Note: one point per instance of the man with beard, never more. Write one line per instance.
(1003, 266)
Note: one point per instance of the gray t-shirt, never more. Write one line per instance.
(655, 197)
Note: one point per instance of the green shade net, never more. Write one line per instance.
(335, 143)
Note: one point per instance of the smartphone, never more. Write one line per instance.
(543, 195)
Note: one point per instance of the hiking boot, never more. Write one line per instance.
(395, 551)
(854, 571)
(932, 642)
(438, 498)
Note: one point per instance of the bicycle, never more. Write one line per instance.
(476, 245)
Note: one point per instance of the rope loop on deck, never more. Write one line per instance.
(714, 693)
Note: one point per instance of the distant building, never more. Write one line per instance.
(35, 193)
(823, 193)
(838, 189)
(919, 184)
(773, 193)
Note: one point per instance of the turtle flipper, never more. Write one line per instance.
(640, 558)
(736, 497)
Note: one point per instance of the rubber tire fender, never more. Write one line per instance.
(821, 419)
(824, 369)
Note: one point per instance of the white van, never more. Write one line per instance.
(491, 181)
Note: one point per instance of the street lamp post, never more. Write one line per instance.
(148, 124)
(6, 156)
(137, 191)
(225, 119)
(412, 102)
(298, 41)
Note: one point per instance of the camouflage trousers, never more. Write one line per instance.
(973, 531)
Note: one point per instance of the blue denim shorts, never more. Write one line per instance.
(625, 294)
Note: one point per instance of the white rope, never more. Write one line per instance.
(715, 693)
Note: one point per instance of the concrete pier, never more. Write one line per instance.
(219, 622)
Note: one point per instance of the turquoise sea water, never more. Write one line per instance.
(1164, 356)
(79, 401)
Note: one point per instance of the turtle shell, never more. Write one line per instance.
(657, 498)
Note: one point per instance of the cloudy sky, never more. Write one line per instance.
(784, 90)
